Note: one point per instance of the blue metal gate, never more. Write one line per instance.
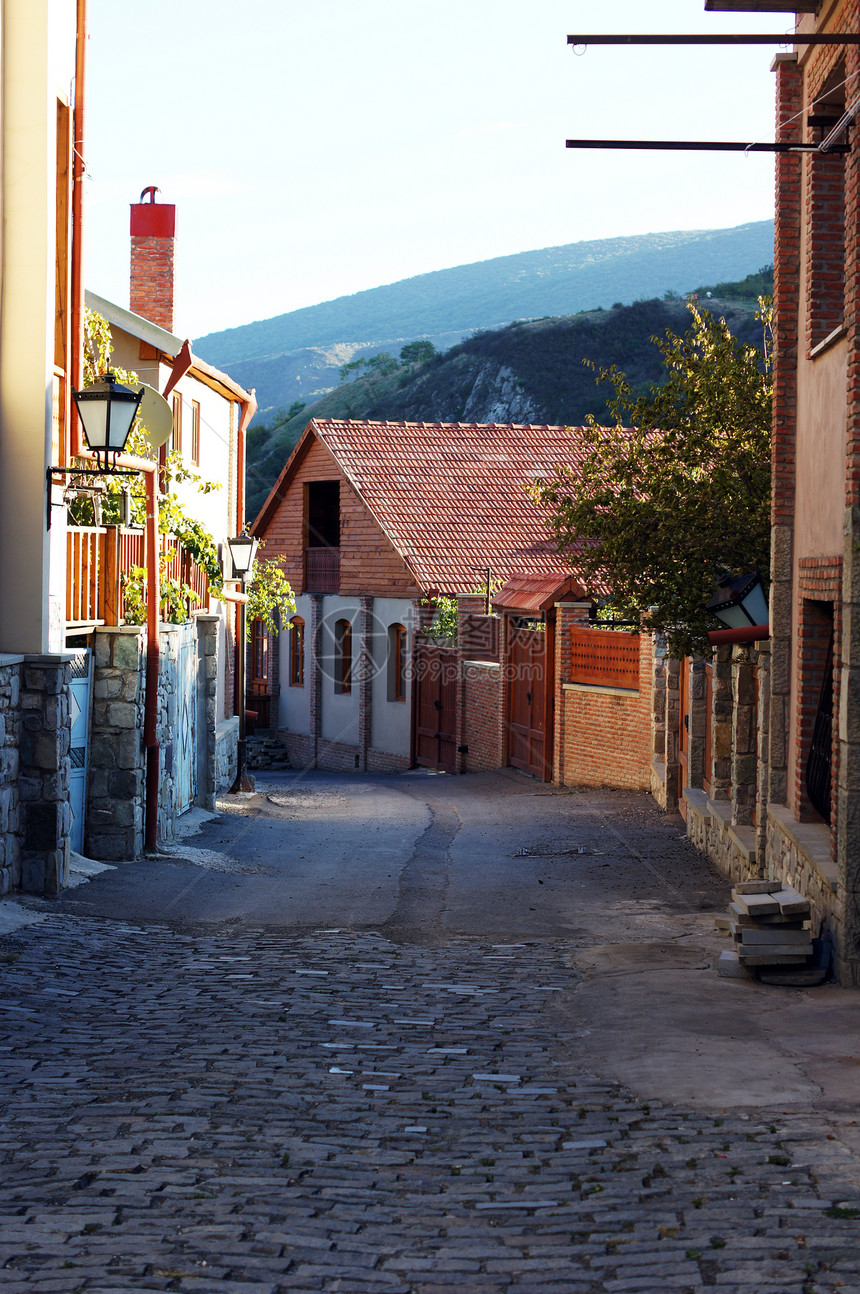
(79, 706)
(185, 737)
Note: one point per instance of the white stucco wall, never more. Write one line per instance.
(294, 703)
(339, 711)
(390, 725)
(37, 50)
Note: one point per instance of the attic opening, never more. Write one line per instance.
(322, 536)
(323, 514)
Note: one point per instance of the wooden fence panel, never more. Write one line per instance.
(604, 658)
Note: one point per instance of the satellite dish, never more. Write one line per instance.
(156, 416)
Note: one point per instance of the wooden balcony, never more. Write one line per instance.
(322, 570)
(97, 559)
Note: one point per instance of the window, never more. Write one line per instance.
(195, 432)
(176, 443)
(297, 652)
(259, 653)
(343, 656)
(396, 663)
(826, 219)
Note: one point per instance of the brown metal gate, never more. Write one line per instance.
(527, 738)
(436, 707)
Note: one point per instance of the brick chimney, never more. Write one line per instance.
(153, 225)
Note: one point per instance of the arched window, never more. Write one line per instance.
(343, 656)
(396, 663)
(297, 652)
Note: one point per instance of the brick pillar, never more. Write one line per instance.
(762, 660)
(567, 615)
(46, 816)
(658, 719)
(721, 720)
(314, 682)
(672, 670)
(847, 685)
(699, 719)
(786, 299)
(467, 604)
(365, 677)
(743, 736)
(153, 225)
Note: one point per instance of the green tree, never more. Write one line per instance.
(269, 591)
(678, 492)
(418, 352)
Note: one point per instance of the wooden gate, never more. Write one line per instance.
(436, 707)
(527, 744)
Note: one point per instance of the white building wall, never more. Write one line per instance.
(294, 703)
(339, 711)
(391, 720)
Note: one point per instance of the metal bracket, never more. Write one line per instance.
(77, 471)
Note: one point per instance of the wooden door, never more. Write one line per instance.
(436, 707)
(527, 737)
(684, 735)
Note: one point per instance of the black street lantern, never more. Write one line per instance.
(242, 552)
(107, 411)
(740, 602)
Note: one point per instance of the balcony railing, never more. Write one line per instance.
(97, 559)
(322, 570)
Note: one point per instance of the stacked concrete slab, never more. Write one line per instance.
(769, 926)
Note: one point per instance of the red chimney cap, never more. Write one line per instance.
(152, 219)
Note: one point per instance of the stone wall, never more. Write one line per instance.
(224, 758)
(798, 854)
(116, 787)
(44, 773)
(10, 813)
(212, 751)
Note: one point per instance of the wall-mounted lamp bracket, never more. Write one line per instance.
(51, 472)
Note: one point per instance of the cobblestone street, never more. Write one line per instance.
(251, 1110)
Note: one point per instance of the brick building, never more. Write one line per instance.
(778, 754)
(374, 522)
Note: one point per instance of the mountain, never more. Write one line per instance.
(297, 356)
(531, 371)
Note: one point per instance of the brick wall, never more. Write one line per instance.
(604, 735)
(483, 715)
(369, 564)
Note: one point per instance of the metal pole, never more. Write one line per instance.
(244, 781)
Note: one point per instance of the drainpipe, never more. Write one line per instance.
(76, 357)
(150, 719)
(249, 408)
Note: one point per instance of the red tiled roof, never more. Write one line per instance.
(537, 592)
(451, 497)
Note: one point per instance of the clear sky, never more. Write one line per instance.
(317, 147)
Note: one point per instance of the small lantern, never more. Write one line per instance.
(107, 410)
(740, 602)
(243, 550)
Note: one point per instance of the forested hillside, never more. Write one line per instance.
(531, 371)
(297, 356)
